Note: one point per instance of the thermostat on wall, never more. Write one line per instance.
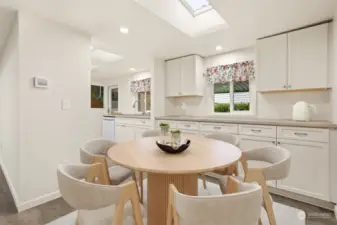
(41, 82)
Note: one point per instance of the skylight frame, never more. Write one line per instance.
(196, 12)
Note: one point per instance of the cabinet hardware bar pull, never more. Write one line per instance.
(257, 131)
(301, 134)
(186, 125)
(217, 128)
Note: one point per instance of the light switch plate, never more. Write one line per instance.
(65, 104)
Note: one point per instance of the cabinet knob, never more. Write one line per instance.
(289, 86)
(274, 142)
(278, 143)
(284, 86)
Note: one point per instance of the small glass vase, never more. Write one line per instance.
(164, 130)
(175, 140)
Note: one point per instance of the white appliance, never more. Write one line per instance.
(108, 128)
(303, 111)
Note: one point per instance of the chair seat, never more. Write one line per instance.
(118, 174)
(104, 216)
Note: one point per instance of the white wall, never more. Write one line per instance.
(39, 135)
(9, 113)
(125, 96)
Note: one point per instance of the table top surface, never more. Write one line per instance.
(203, 155)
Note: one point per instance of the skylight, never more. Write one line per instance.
(196, 7)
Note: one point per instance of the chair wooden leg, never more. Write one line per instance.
(119, 212)
(222, 188)
(77, 219)
(135, 180)
(172, 215)
(268, 204)
(260, 221)
(204, 181)
(137, 213)
(140, 178)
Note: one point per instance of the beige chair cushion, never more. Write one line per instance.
(119, 174)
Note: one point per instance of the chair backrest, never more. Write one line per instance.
(226, 137)
(240, 208)
(278, 157)
(81, 194)
(151, 133)
(94, 147)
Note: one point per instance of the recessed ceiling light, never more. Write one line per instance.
(91, 47)
(132, 69)
(124, 30)
(218, 48)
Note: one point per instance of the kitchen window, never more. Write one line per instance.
(231, 97)
(144, 101)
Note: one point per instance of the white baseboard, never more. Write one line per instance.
(10, 184)
(38, 201)
(336, 211)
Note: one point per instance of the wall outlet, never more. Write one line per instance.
(65, 104)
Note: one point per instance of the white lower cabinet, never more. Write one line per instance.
(124, 133)
(139, 131)
(309, 170)
(251, 142)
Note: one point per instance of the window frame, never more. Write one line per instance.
(145, 98)
(196, 12)
(231, 106)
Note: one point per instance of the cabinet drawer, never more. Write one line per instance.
(172, 124)
(303, 134)
(260, 131)
(189, 132)
(143, 122)
(188, 125)
(120, 121)
(219, 127)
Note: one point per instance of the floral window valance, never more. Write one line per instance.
(240, 71)
(141, 85)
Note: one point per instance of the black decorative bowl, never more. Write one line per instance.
(166, 147)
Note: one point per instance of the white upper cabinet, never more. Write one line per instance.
(294, 61)
(272, 63)
(173, 78)
(184, 76)
(308, 58)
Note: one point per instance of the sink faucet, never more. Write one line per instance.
(134, 104)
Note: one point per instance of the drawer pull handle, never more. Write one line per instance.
(217, 128)
(255, 131)
(143, 121)
(273, 142)
(301, 134)
(186, 125)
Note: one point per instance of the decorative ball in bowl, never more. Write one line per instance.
(168, 148)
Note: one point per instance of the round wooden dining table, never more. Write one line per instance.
(203, 155)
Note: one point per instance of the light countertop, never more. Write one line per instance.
(135, 116)
(252, 121)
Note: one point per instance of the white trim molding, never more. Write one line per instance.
(38, 201)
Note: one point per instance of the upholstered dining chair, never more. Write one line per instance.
(278, 167)
(229, 138)
(92, 195)
(95, 151)
(241, 205)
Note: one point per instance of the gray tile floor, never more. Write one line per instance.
(50, 211)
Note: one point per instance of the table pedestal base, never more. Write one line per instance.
(157, 193)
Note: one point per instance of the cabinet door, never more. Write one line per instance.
(124, 133)
(173, 77)
(272, 63)
(139, 132)
(188, 76)
(247, 143)
(308, 58)
(309, 170)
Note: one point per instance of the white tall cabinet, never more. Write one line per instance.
(184, 76)
(294, 61)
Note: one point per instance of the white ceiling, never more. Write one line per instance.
(149, 36)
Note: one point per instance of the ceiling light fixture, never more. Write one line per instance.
(218, 48)
(124, 30)
(132, 69)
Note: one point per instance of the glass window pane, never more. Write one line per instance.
(148, 101)
(197, 4)
(222, 98)
(141, 103)
(241, 96)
